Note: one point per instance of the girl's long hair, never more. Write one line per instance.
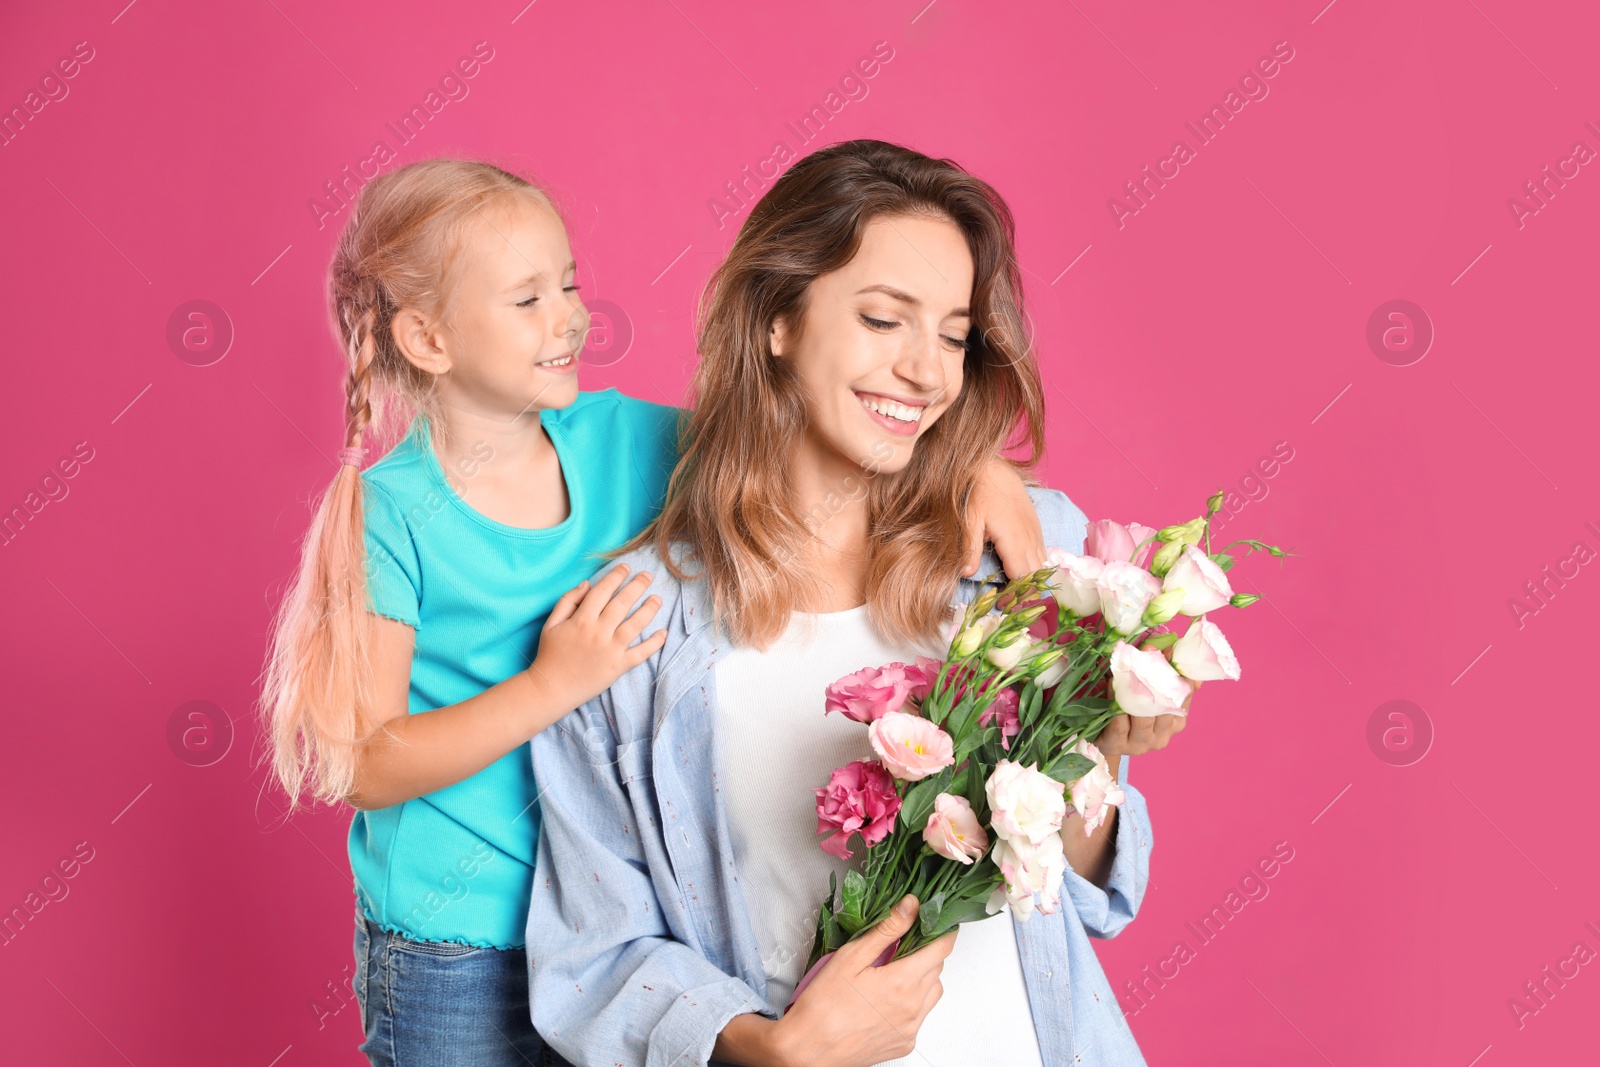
(730, 499)
(400, 248)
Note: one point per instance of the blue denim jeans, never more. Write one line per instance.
(431, 1004)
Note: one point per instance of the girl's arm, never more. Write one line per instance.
(582, 649)
(1001, 512)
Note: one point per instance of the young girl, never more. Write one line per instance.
(427, 638)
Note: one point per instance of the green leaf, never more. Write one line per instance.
(1068, 767)
(974, 789)
(918, 802)
(854, 896)
(962, 716)
(954, 912)
(928, 912)
(1028, 705)
(835, 935)
(970, 744)
(1222, 560)
(829, 934)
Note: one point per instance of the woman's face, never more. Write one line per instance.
(883, 340)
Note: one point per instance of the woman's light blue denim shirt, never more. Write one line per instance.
(640, 948)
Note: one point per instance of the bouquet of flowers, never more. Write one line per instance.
(979, 755)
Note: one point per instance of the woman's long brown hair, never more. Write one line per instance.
(730, 499)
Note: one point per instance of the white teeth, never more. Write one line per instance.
(562, 362)
(898, 412)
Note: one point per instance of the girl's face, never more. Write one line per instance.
(516, 324)
(883, 341)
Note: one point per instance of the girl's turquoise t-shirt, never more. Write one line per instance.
(457, 865)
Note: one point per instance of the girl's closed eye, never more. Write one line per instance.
(535, 297)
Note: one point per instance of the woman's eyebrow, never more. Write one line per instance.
(906, 298)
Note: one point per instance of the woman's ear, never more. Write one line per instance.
(420, 341)
(776, 335)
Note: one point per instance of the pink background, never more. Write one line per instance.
(1229, 314)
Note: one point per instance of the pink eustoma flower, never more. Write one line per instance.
(860, 798)
(1094, 794)
(1144, 683)
(911, 746)
(1109, 541)
(872, 692)
(953, 830)
(1204, 584)
(1003, 712)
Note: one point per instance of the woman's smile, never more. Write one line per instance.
(898, 415)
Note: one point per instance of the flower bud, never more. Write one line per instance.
(1051, 676)
(1008, 653)
(1044, 661)
(1243, 600)
(967, 642)
(1189, 533)
(1162, 607)
(981, 606)
(1159, 641)
(1027, 616)
(1214, 504)
(1165, 557)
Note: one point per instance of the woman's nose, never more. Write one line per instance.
(922, 365)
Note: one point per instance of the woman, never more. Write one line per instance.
(861, 355)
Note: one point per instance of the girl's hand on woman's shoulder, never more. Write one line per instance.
(587, 642)
(1001, 512)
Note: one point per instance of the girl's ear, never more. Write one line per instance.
(420, 341)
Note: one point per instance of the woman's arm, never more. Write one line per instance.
(1109, 869)
(617, 977)
(1107, 872)
(1126, 735)
(610, 982)
(1090, 854)
(583, 649)
(853, 1011)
